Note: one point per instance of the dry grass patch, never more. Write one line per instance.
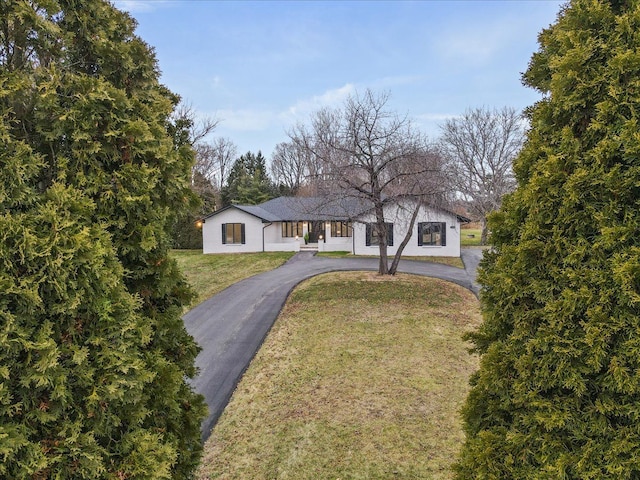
(360, 377)
(210, 274)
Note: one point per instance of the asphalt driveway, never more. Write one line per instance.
(231, 326)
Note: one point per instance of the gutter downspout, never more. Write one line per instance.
(353, 241)
(267, 225)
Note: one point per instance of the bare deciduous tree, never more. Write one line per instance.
(480, 147)
(214, 160)
(197, 128)
(366, 152)
(289, 166)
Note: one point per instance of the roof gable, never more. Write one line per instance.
(253, 210)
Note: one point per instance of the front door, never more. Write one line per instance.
(315, 230)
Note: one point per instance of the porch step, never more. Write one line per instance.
(311, 247)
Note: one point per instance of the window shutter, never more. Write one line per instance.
(242, 233)
(390, 234)
(443, 233)
(224, 233)
(420, 234)
(368, 241)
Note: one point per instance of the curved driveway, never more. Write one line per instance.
(231, 326)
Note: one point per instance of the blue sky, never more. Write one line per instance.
(260, 67)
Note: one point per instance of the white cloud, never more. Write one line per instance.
(430, 123)
(216, 81)
(330, 98)
(396, 80)
(477, 44)
(245, 119)
(256, 120)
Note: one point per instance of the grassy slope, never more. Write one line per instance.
(210, 274)
(359, 378)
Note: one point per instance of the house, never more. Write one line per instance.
(281, 224)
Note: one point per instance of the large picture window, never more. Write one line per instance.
(432, 234)
(291, 229)
(341, 229)
(373, 238)
(233, 233)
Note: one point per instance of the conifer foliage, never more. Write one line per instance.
(93, 351)
(248, 182)
(558, 391)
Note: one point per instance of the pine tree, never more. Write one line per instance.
(248, 182)
(557, 394)
(93, 351)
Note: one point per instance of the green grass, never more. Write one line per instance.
(451, 261)
(361, 377)
(210, 274)
(470, 237)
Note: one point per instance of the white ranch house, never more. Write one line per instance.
(331, 225)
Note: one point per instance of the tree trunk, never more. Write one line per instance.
(383, 266)
(485, 232)
(381, 227)
(405, 241)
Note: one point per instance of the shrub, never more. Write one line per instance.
(558, 391)
(93, 352)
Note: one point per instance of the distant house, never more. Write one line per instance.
(283, 223)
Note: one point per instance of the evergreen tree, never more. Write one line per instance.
(558, 390)
(93, 351)
(187, 230)
(248, 182)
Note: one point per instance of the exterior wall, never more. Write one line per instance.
(334, 244)
(275, 242)
(401, 219)
(212, 232)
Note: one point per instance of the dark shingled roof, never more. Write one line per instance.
(283, 209)
(287, 209)
(314, 208)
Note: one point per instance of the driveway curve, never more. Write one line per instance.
(231, 326)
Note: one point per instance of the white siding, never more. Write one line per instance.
(260, 236)
(274, 242)
(212, 232)
(334, 244)
(400, 218)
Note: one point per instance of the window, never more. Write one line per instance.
(233, 233)
(373, 237)
(432, 233)
(291, 229)
(341, 229)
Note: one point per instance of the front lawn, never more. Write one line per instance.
(451, 261)
(210, 274)
(470, 237)
(361, 377)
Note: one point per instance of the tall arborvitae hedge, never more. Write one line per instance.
(558, 391)
(93, 352)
